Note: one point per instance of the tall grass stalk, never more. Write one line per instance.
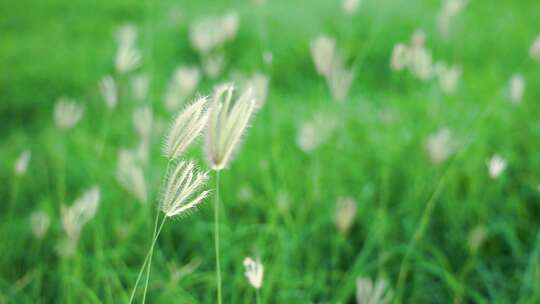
(216, 239)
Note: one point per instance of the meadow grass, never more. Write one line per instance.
(414, 219)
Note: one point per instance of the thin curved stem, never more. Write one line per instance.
(216, 239)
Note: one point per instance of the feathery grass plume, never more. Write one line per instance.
(441, 145)
(421, 63)
(183, 181)
(67, 113)
(187, 126)
(496, 166)
(127, 59)
(477, 236)
(130, 175)
(259, 83)
(350, 7)
(211, 32)
(213, 64)
(21, 164)
(339, 78)
(369, 293)
(254, 272)
(74, 218)
(448, 77)
(534, 50)
(184, 81)
(449, 10)
(139, 86)
(400, 57)
(315, 132)
(109, 92)
(40, 222)
(179, 273)
(345, 214)
(126, 34)
(517, 88)
(142, 121)
(227, 121)
(323, 49)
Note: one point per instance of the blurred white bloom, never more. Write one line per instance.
(81, 212)
(130, 175)
(184, 81)
(345, 214)
(109, 92)
(418, 39)
(21, 164)
(187, 126)
(128, 57)
(313, 133)
(449, 10)
(139, 86)
(496, 166)
(259, 83)
(142, 121)
(350, 7)
(211, 32)
(180, 187)
(142, 150)
(323, 49)
(517, 88)
(400, 57)
(268, 57)
(40, 222)
(440, 146)
(421, 63)
(448, 77)
(126, 34)
(339, 79)
(67, 113)
(477, 237)
(534, 51)
(178, 273)
(369, 293)
(213, 64)
(227, 121)
(254, 272)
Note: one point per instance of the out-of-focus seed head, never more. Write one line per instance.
(67, 113)
(534, 50)
(40, 222)
(130, 175)
(441, 145)
(254, 272)
(369, 293)
(517, 88)
(345, 214)
(21, 164)
(109, 91)
(323, 49)
(496, 166)
(142, 121)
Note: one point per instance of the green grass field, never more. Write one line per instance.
(435, 233)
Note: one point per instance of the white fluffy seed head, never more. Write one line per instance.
(40, 222)
(130, 175)
(496, 166)
(180, 193)
(517, 88)
(448, 77)
(213, 64)
(227, 122)
(126, 34)
(534, 50)
(186, 127)
(350, 7)
(368, 292)
(128, 58)
(139, 86)
(109, 91)
(323, 49)
(183, 83)
(345, 214)
(315, 132)
(81, 212)
(400, 57)
(259, 83)
(142, 121)
(441, 145)
(67, 113)
(21, 164)
(211, 32)
(254, 272)
(339, 78)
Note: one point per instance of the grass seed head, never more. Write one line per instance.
(109, 91)
(254, 272)
(67, 113)
(21, 164)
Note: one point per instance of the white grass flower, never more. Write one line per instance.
(229, 25)
(477, 236)
(259, 83)
(109, 91)
(400, 57)
(421, 63)
(448, 77)
(142, 121)
(211, 32)
(67, 113)
(339, 78)
(345, 214)
(441, 145)
(21, 164)
(369, 293)
(130, 175)
(315, 132)
(187, 126)
(449, 10)
(534, 50)
(185, 80)
(128, 58)
(183, 181)
(418, 39)
(139, 86)
(126, 34)
(227, 121)
(81, 212)
(323, 49)
(496, 166)
(517, 88)
(350, 7)
(213, 64)
(40, 222)
(254, 272)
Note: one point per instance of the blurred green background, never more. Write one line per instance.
(435, 233)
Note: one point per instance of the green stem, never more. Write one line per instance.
(216, 239)
(258, 296)
(148, 255)
(151, 255)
